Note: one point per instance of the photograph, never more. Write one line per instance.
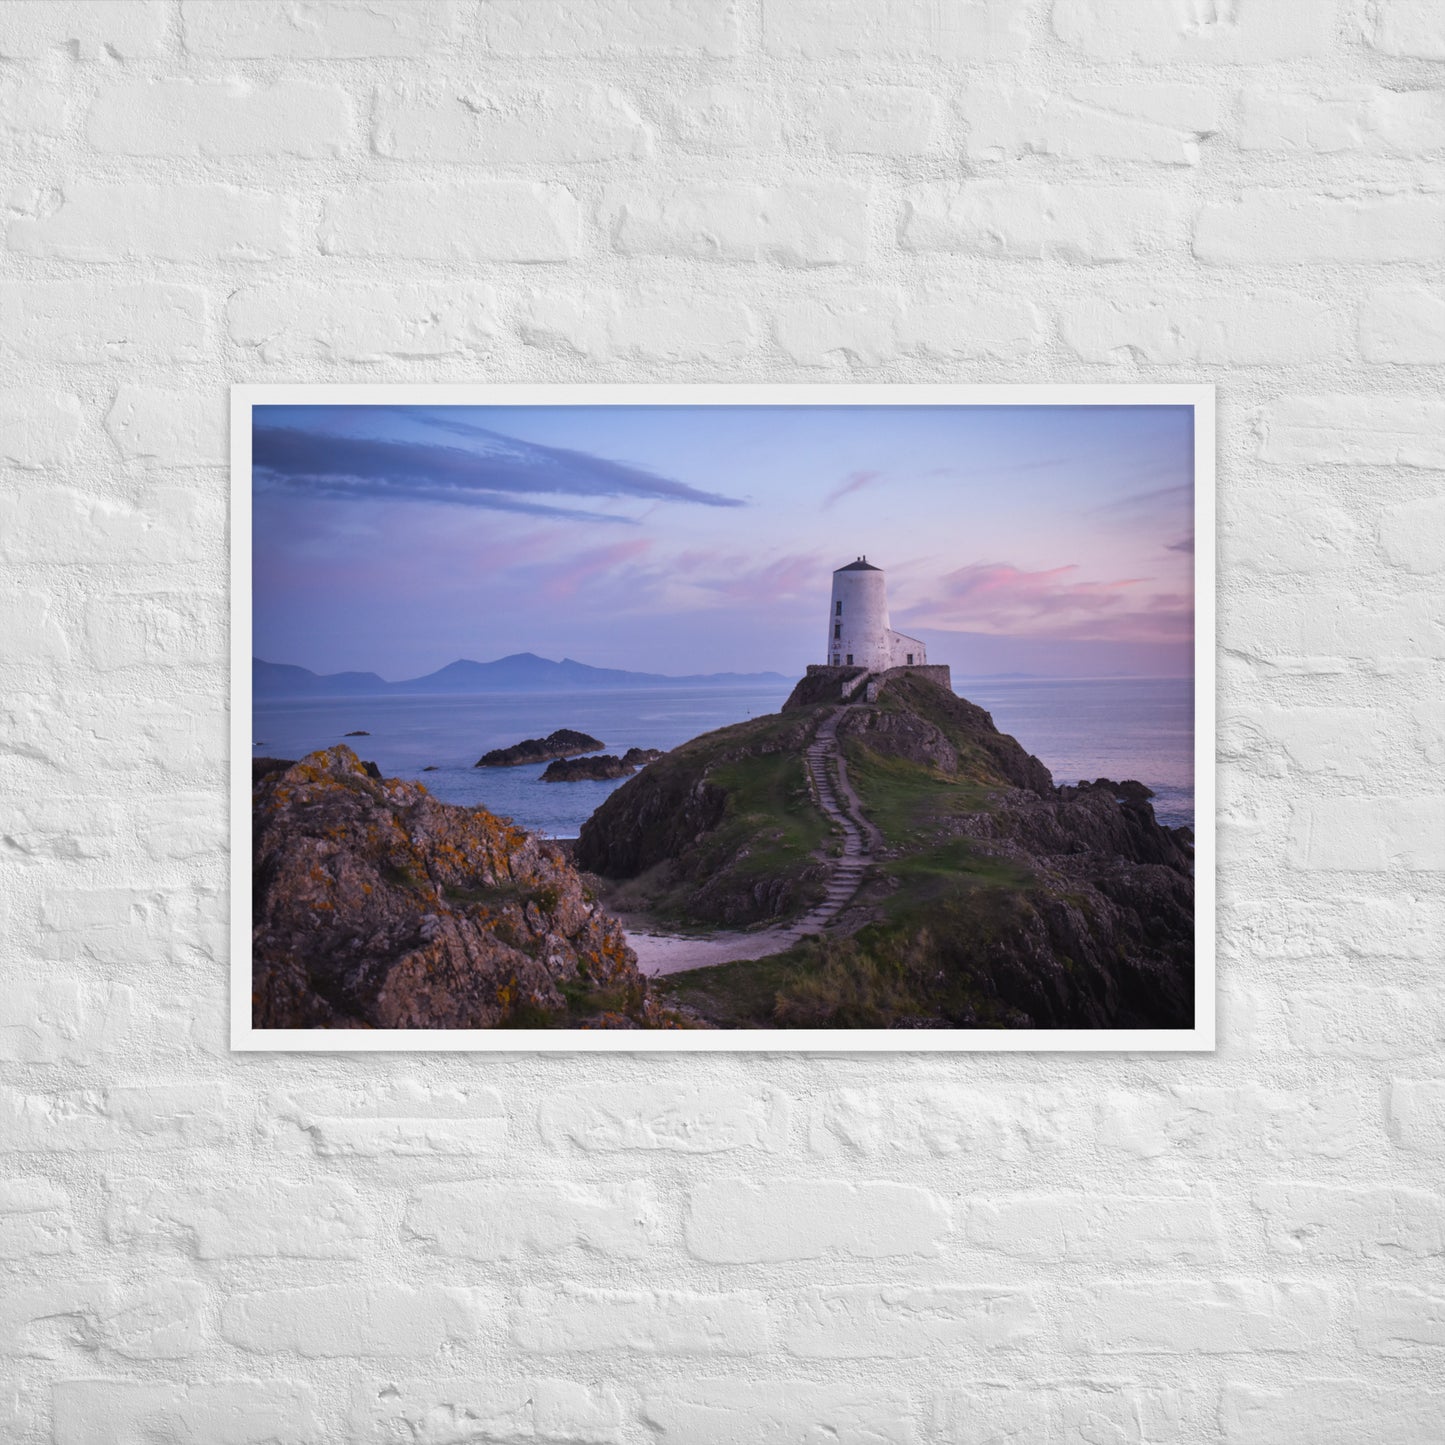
(679, 717)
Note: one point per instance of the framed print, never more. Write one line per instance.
(723, 717)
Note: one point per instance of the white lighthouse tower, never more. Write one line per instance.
(858, 630)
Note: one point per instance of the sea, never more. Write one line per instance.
(1081, 728)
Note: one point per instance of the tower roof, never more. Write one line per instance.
(861, 565)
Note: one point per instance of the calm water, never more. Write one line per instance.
(1117, 728)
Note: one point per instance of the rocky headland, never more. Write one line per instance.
(564, 743)
(376, 906)
(933, 873)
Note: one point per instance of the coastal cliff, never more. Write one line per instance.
(376, 906)
(989, 898)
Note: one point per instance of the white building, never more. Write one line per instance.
(858, 630)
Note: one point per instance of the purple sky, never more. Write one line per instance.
(1053, 540)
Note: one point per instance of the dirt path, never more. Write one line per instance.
(660, 953)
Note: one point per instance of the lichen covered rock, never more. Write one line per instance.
(378, 906)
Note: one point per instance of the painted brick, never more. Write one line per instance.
(555, 1410)
(1399, 1319)
(941, 325)
(94, 323)
(1249, 33)
(571, 125)
(1178, 327)
(319, 29)
(938, 1120)
(1020, 221)
(137, 221)
(32, 107)
(1411, 28)
(734, 1222)
(719, 1412)
(604, 27)
(1264, 226)
(220, 118)
(1333, 1221)
(144, 1117)
(1327, 631)
(858, 329)
(127, 28)
(287, 322)
(1367, 1022)
(155, 1319)
(1328, 122)
(1098, 1228)
(484, 221)
(318, 1219)
(651, 324)
(159, 525)
(380, 1120)
(46, 1020)
(159, 629)
(38, 428)
(1368, 834)
(877, 120)
(520, 1219)
(1161, 124)
(35, 1219)
(1389, 431)
(168, 428)
(1417, 1115)
(810, 224)
(1188, 1120)
(1099, 1410)
(970, 31)
(1413, 535)
(575, 1318)
(344, 1321)
(675, 1120)
(897, 1322)
(1330, 1411)
(1224, 1317)
(1403, 324)
(723, 119)
(241, 1412)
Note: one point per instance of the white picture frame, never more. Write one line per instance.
(244, 1037)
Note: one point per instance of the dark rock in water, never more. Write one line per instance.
(360, 733)
(376, 906)
(564, 743)
(589, 770)
(430, 768)
(638, 757)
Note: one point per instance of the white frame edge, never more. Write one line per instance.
(1199, 1039)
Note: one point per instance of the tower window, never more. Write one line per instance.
(910, 659)
(850, 659)
(837, 609)
(837, 631)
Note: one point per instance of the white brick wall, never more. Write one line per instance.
(1241, 1249)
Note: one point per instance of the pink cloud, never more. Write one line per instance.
(853, 482)
(1000, 598)
(584, 568)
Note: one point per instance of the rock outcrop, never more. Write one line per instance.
(564, 743)
(992, 898)
(376, 906)
(599, 768)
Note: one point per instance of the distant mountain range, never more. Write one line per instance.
(521, 672)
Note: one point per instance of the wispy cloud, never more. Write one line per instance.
(853, 482)
(1155, 500)
(1184, 544)
(497, 472)
(998, 597)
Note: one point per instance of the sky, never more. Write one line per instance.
(1052, 540)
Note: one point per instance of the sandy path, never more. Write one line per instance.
(660, 953)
